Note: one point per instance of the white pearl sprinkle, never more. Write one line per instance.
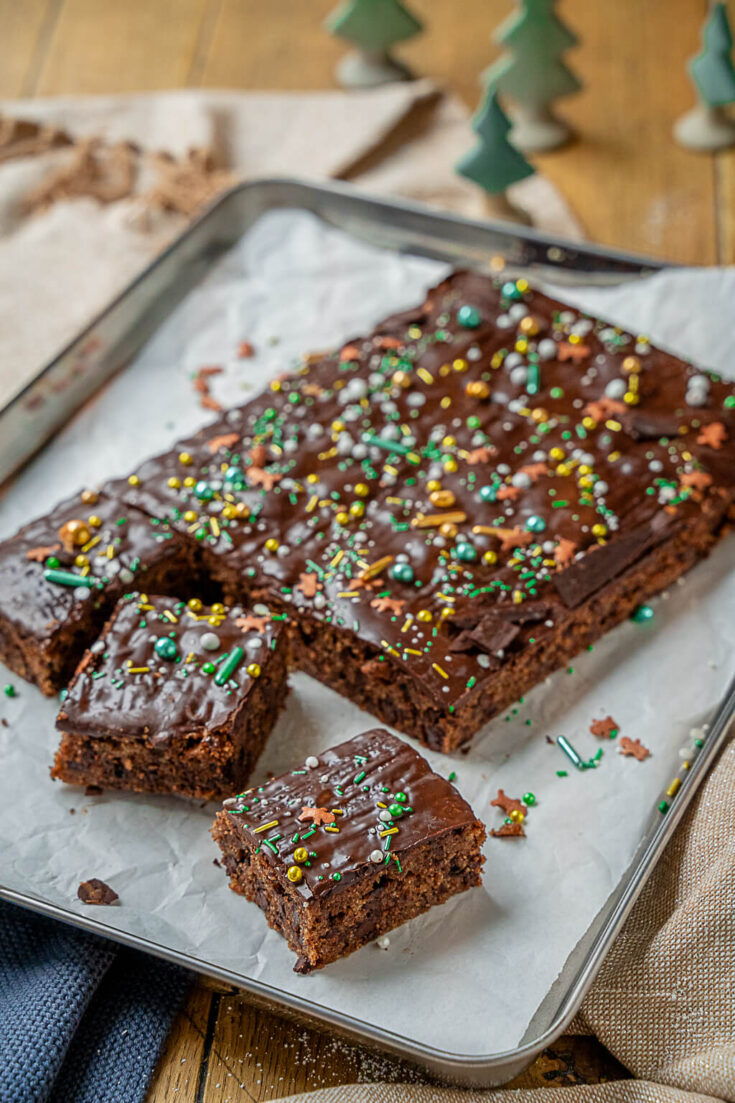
(376, 856)
(210, 641)
(385, 815)
(311, 762)
(383, 942)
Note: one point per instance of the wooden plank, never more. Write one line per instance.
(109, 46)
(178, 1073)
(629, 182)
(725, 192)
(24, 38)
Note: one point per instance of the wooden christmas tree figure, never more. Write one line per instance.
(706, 127)
(533, 73)
(373, 26)
(494, 164)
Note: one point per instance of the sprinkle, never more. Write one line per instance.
(266, 826)
(170, 616)
(388, 831)
(68, 578)
(570, 752)
(439, 670)
(673, 789)
(434, 520)
(337, 559)
(376, 568)
(138, 669)
(229, 666)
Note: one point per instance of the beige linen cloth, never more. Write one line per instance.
(664, 1001)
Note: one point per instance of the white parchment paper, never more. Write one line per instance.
(468, 977)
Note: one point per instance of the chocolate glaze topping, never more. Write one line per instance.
(468, 456)
(368, 801)
(90, 536)
(132, 685)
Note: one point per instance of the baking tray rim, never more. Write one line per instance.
(452, 1065)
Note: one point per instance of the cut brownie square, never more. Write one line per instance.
(61, 575)
(174, 697)
(349, 846)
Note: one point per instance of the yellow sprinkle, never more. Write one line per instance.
(85, 571)
(139, 670)
(395, 501)
(673, 789)
(613, 426)
(439, 670)
(349, 593)
(326, 502)
(517, 597)
(328, 455)
(190, 658)
(447, 597)
(613, 457)
(170, 616)
(390, 469)
(389, 649)
(337, 558)
(311, 504)
(446, 402)
(266, 826)
(376, 567)
(91, 543)
(110, 553)
(413, 457)
(411, 651)
(194, 527)
(407, 623)
(388, 831)
(214, 526)
(381, 805)
(425, 376)
(338, 811)
(434, 520)
(331, 827)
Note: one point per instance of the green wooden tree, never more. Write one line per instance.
(712, 71)
(707, 127)
(493, 163)
(373, 25)
(533, 73)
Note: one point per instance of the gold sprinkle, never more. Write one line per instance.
(311, 504)
(388, 831)
(434, 520)
(190, 658)
(214, 526)
(332, 828)
(338, 557)
(407, 623)
(139, 670)
(110, 553)
(376, 567)
(439, 670)
(389, 649)
(411, 651)
(349, 593)
(447, 597)
(425, 376)
(613, 426)
(338, 811)
(170, 616)
(328, 455)
(266, 826)
(91, 543)
(673, 789)
(381, 804)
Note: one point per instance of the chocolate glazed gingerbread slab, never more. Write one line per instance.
(456, 504)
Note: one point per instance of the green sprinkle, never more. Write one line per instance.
(68, 578)
(229, 666)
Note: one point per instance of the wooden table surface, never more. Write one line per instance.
(631, 186)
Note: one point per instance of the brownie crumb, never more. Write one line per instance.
(93, 791)
(95, 891)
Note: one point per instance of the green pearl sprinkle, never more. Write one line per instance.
(529, 799)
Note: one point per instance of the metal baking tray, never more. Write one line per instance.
(49, 400)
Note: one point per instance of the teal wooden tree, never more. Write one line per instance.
(706, 127)
(533, 73)
(494, 163)
(373, 26)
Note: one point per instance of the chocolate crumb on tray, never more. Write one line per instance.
(349, 845)
(96, 892)
(175, 697)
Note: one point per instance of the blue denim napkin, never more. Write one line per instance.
(81, 1019)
